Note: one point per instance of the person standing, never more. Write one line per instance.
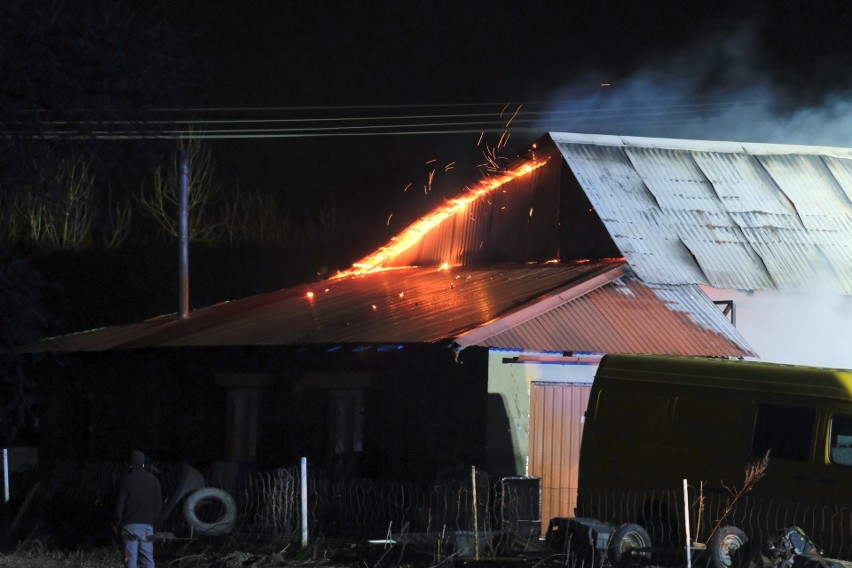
(140, 501)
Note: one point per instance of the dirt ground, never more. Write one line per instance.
(171, 556)
(229, 554)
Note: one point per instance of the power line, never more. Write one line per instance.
(375, 125)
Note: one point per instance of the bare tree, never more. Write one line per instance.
(161, 197)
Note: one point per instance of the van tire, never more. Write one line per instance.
(729, 548)
(622, 542)
(226, 521)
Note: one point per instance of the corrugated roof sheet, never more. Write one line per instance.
(393, 306)
(731, 215)
(627, 316)
(429, 304)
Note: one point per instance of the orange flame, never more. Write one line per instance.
(417, 230)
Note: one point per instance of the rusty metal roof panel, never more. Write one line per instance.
(392, 306)
(753, 216)
(628, 316)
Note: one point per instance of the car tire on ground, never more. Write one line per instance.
(622, 542)
(728, 548)
(226, 511)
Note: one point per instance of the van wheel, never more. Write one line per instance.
(628, 544)
(729, 548)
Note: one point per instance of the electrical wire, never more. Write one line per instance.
(372, 125)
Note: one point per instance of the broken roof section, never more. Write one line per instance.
(730, 215)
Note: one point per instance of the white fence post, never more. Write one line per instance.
(5, 475)
(304, 467)
(686, 523)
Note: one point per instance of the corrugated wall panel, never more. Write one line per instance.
(556, 429)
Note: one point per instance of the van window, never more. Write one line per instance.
(841, 439)
(785, 430)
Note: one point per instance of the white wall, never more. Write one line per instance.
(795, 328)
(511, 383)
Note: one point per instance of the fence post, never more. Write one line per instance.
(475, 522)
(304, 468)
(5, 475)
(686, 523)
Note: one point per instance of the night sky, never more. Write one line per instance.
(369, 114)
(759, 71)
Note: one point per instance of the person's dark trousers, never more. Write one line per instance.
(138, 543)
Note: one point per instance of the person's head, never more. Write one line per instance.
(137, 458)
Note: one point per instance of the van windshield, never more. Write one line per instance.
(841, 439)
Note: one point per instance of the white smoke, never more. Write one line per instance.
(711, 90)
(715, 90)
(807, 328)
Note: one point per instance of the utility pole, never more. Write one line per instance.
(183, 269)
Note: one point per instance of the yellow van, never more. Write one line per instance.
(655, 421)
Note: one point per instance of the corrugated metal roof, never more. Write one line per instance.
(393, 306)
(727, 214)
(683, 212)
(627, 316)
(429, 304)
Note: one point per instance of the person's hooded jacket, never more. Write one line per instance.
(140, 499)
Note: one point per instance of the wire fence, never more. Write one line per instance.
(269, 506)
(662, 514)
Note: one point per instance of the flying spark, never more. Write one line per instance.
(517, 110)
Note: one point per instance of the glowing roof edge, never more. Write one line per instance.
(412, 234)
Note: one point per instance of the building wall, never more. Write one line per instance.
(406, 412)
(540, 405)
(557, 413)
(810, 328)
(509, 404)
